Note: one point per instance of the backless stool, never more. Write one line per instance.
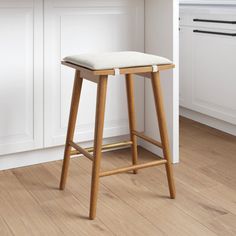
(97, 68)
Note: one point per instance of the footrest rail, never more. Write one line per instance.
(133, 167)
(146, 138)
(79, 150)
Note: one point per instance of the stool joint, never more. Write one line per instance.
(146, 138)
(116, 71)
(155, 68)
(81, 150)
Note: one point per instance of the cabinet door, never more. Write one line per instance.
(73, 27)
(214, 75)
(21, 75)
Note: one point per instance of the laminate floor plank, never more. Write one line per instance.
(61, 207)
(128, 204)
(20, 210)
(189, 208)
(4, 229)
(224, 225)
(112, 211)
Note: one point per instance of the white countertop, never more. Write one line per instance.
(209, 2)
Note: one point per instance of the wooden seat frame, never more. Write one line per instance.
(100, 77)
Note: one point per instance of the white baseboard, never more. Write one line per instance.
(56, 153)
(43, 155)
(207, 120)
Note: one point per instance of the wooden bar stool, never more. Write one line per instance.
(97, 68)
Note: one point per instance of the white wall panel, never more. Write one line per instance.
(74, 27)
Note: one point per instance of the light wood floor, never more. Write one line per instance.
(31, 204)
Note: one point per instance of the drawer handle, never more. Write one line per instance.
(212, 32)
(216, 21)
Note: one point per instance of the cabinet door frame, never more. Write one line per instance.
(32, 138)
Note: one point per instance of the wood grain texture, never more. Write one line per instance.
(160, 111)
(132, 117)
(132, 167)
(71, 126)
(98, 138)
(128, 204)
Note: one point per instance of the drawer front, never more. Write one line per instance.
(209, 17)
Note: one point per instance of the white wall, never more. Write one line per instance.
(161, 38)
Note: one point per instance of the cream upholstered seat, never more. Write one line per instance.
(111, 60)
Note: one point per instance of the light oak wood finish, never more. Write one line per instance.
(85, 73)
(132, 119)
(133, 167)
(100, 77)
(99, 123)
(156, 85)
(31, 204)
(105, 147)
(148, 139)
(71, 126)
(81, 150)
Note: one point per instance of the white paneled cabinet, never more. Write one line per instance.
(35, 90)
(21, 75)
(73, 27)
(207, 62)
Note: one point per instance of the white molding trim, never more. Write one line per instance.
(210, 121)
(207, 2)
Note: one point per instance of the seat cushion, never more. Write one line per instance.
(111, 60)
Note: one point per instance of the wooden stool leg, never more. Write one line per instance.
(156, 85)
(132, 120)
(71, 126)
(99, 123)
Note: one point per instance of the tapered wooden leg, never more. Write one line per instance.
(99, 123)
(156, 85)
(71, 126)
(132, 119)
